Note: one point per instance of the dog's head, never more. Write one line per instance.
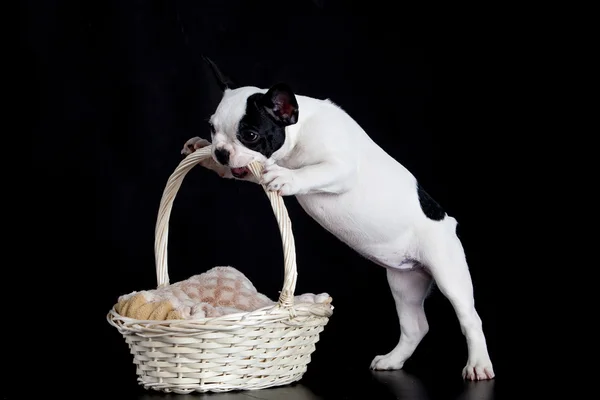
(249, 123)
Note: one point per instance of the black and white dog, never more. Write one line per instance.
(315, 151)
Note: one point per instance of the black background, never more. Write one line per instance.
(117, 87)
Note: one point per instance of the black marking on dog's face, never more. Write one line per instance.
(429, 206)
(262, 128)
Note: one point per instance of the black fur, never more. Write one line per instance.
(262, 128)
(429, 206)
(281, 104)
(222, 80)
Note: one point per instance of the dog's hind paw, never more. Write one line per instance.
(387, 362)
(478, 371)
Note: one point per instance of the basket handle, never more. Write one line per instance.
(286, 297)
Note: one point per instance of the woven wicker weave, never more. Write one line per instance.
(268, 347)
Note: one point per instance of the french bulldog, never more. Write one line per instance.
(312, 149)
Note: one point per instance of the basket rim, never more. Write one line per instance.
(276, 313)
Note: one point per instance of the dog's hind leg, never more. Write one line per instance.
(409, 288)
(444, 257)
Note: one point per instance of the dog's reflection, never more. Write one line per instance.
(407, 387)
(481, 390)
(292, 392)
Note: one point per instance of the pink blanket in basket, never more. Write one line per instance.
(217, 292)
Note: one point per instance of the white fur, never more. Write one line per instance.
(368, 200)
(225, 121)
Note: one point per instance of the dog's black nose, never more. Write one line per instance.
(222, 156)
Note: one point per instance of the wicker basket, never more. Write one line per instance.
(268, 347)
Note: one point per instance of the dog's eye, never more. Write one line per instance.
(249, 136)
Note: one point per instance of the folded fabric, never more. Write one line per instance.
(217, 292)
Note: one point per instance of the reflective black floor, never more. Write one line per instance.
(383, 385)
(347, 384)
(339, 368)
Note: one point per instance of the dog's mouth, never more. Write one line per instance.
(240, 172)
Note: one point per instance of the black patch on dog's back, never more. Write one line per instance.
(430, 207)
(271, 135)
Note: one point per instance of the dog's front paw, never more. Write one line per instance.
(194, 144)
(388, 361)
(478, 370)
(279, 179)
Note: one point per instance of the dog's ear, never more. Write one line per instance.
(281, 104)
(223, 81)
